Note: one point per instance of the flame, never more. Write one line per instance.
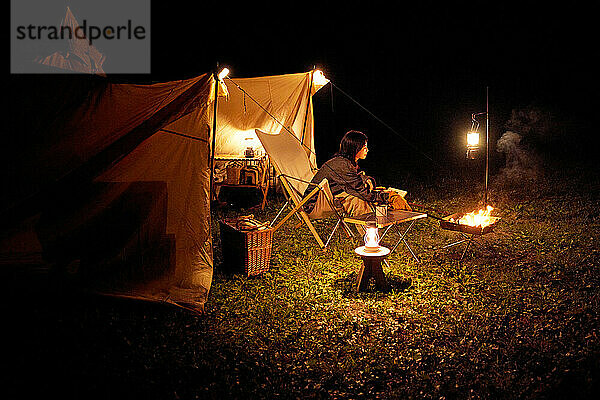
(473, 139)
(479, 218)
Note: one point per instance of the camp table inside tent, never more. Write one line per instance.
(392, 219)
(246, 172)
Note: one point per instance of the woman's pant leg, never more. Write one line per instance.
(354, 207)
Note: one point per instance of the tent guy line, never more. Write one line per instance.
(349, 97)
(381, 121)
(183, 135)
(302, 144)
(272, 116)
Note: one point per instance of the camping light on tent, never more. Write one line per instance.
(223, 74)
(319, 79)
(371, 237)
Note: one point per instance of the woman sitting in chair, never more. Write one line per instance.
(350, 186)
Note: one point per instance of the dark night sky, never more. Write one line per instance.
(422, 68)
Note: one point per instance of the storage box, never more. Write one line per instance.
(245, 251)
(233, 175)
(249, 176)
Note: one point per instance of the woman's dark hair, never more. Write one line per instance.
(351, 144)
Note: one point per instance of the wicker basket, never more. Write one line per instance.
(245, 251)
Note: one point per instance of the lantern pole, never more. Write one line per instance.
(487, 144)
(474, 145)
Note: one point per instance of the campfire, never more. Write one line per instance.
(480, 218)
(476, 222)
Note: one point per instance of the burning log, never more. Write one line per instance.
(475, 223)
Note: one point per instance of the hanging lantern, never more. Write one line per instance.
(473, 138)
(371, 237)
(472, 144)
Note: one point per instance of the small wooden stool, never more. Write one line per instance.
(371, 268)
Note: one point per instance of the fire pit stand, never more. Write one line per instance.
(468, 232)
(467, 238)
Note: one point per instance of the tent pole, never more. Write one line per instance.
(214, 132)
(307, 105)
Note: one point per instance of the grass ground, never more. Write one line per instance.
(518, 318)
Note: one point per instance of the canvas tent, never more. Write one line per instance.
(115, 177)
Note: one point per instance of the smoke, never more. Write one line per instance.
(535, 124)
(521, 163)
(526, 129)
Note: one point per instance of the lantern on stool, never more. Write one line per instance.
(371, 237)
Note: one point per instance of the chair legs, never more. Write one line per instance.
(304, 218)
(279, 213)
(332, 232)
(312, 229)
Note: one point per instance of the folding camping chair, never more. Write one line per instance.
(295, 172)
